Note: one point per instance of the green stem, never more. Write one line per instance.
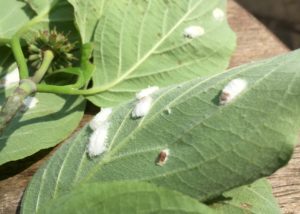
(71, 90)
(15, 101)
(19, 56)
(47, 59)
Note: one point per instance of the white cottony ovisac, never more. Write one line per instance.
(100, 118)
(193, 32)
(97, 142)
(30, 102)
(142, 107)
(10, 78)
(218, 14)
(147, 92)
(232, 90)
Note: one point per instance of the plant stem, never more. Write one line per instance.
(71, 90)
(19, 56)
(15, 101)
(47, 59)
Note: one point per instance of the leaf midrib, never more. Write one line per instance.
(107, 159)
(149, 53)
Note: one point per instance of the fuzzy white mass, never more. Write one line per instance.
(147, 92)
(100, 118)
(193, 32)
(232, 90)
(97, 142)
(142, 107)
(218, 14)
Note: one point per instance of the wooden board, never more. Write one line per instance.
(254, 42)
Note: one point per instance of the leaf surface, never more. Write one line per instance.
(87, 15)
(13, 15)
(254, 198)
(123, 198)
(51, 121)
(212, 148)
(44, 6)
(142, 43)
(51, 14)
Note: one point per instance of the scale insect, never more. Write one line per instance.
(144, 103)
(218, 14)
(100, 118)
(192, 32)
(147, 92)
(142, 107)
(233, 89)
(163, 157)
(97, 142)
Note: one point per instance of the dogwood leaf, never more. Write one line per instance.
(50, 14)
(48, 123)
(142, 43)
(123, 198)
(254, 198)
(13, 15)
(212, 148)
(87, 15)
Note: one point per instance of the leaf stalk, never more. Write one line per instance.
(19, 56)
(47, 60)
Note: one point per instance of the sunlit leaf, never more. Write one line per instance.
(212, 148)
(124, 198)
(44, 126)
(51, 14)
(254, 198)
(87, 15)
(142, 43)
(13, 15)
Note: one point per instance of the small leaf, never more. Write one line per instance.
(254, 198)
(212, 148)
(142, 43)
(44, 126)
(87, 15)
(13, 15)
(124, 198)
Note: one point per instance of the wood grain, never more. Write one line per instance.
(254, 42)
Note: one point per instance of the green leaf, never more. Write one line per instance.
(43, 6)
(125, 197)
(44, 126)
(142, 43)
(213, 148)
(87, 15)
(51, 14)
(254, 198)
(13, 15)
